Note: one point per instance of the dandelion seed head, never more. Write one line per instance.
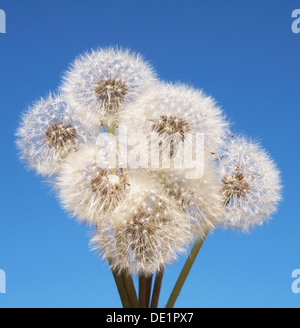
(100, 82)
(48, 134)
(251, 184)
(146, 238)
(176, 111)
(200, 199)
(87, 189)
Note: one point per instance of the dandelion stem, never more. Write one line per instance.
(156, 289)
(148, 289)
(111, 129)
(142, 291)
(129, 285)
(121, 289)
(185, 272)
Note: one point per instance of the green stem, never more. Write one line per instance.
(148, 290)
(185, 272)
(156, 289)
(121, 289)
(142, 291)
(111, 129)
(129, 285)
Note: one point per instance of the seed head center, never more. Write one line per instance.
(236, 184)
(171, 125)
(59, 134)
(106, 183)
(111, 90)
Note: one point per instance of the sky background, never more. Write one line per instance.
(243, 53)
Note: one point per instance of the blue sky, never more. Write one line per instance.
(242, 53)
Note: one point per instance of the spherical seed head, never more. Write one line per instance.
(100, 82)
(48, 134)
(173, 113)
(87, 189)
(200, 198)
(251, 184)
(145, 232)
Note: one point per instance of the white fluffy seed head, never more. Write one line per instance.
(100, 82)
(251, 184)
(48, 134)
(176, 112)
(200, 198)
(144, 234)
(86, 187)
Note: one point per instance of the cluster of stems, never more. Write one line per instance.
(127, 291)
(148, 297)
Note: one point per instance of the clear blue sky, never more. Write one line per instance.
(242, 52)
